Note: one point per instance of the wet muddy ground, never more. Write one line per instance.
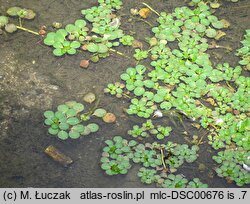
(32, 80)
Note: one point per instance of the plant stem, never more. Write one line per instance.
(126, 95)
(20, 22)
(138, 19)
(151, 9)
(27, 30)
(119, 53)
(162, 159)
(230, 86)
(200, 140)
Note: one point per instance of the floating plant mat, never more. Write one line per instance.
(119, 154)
(185, 81)
(98, 36)
(70, 121)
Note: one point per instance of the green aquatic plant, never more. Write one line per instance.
(114, 4)
(100, 112)
(196, 183)
(143, 107)
(244, 52)
(77, 31)
(3, 21)
(148, 128)
(64, 122)
(137, 132)
(148, 158)
(119, 153)
(97, 48)
(161, 132)
(183, 152)
(140, 55)
(233, 172)
(174, 162)
(231, 165)
(67, 121)
(115, 89)
(175, 181)
(133, 77)
(97, 33)
(120, 165)
(127, 40)
(147, 176)
(148, 125)
(60, 44)
(118, 146)
(21, 12)
(116, 155)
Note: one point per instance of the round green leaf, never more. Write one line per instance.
(105, 166)
(73, 121)
(102, 48)
(80, 23)
(48, 122)
(50, 39)
(166, 105)
(74, 135)
(62, 108)
(149, 84)
(78, 128)
(70, 28)
(58, 52)
(100, 112)
(75, 44)
(49, 114)
(71, 51)
(63, 135)
(13, 11)
(200, 28)
(158, 98)
(3, 21)
(59, 115)
(64, 126)
(54, 126)
(218, 24)
(125, 76)
(93, 127)
(92, 47)
(71, 112)
(211, 33)
(138, 91)
(78, 107)
(53, 131)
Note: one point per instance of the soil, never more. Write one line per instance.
(32, 80)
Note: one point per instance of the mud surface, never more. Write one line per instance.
(32, 80)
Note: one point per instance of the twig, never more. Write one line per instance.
(200, 140)
(151, 9)
(126, 95)
(119, 53)
(162, 159)
(27, 30)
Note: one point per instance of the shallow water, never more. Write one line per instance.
(33, 80)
